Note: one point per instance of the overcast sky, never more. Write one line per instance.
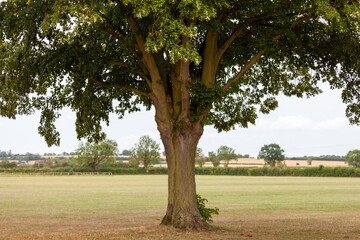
(312, 127)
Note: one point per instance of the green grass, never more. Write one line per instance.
(131, 207)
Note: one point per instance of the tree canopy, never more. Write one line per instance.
(147, 152)
(98, 57)
(214, 159)
(96, 154)
(226, 153)
(353, 157)
(272, 154)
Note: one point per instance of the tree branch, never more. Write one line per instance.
(117, 86)
(233, 36)
(157, 87)
(255, 58)
(120, 39)
(252, 61)
(141, 74)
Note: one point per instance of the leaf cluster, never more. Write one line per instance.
(205, 212)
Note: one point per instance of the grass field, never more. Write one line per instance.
(131, 207)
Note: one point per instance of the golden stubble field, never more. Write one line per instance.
(131, 207)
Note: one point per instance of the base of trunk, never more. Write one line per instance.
(185, 220)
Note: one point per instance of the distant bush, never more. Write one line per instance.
(7, 164)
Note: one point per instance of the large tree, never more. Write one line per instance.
(197, 62)
(147, 152)
(96, 154)
(353, 158)
(272, 154)
(226, 154)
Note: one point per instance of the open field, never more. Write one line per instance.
(130, 207)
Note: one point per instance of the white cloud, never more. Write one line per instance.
(333, 123)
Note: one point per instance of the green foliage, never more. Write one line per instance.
(199, 157)
(238, 171)
(320, 171)
(272, 154)
(353, 158)
(7, 164)
(125, 152)
(30, 156)
(214, 159)
(96, 154)
(205, 212)
(89, 56)
(226, 153)
(4, 154)
(147, 152)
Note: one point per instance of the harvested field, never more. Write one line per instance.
(253, 162)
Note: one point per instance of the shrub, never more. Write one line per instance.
(205, 212)
(238, 171)
(257, 171)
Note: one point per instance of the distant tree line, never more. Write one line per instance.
(147, 153)
(4, 154)
(320, 158)
(60, 154)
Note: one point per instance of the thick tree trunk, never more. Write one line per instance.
(180, 147)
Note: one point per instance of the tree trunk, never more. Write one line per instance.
(146, 165)
(180, 147)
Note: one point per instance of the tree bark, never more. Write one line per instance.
(180, 147)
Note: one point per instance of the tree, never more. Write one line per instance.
(199, 157)
(96, 154)
(196, 62)
(125, 152)
(214, 159)
(226, 153)
(145, 152)
(30, 156)
(272, 154)
(353, 158)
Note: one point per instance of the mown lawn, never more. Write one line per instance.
(131, 207)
